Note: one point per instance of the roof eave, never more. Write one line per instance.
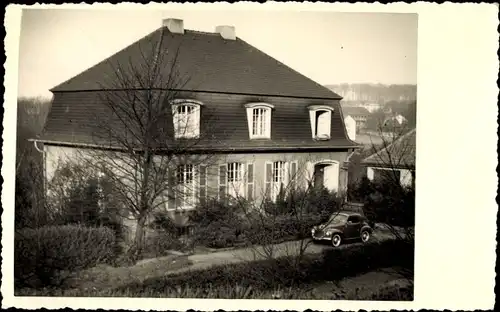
(207, 149)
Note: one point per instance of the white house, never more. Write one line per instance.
(397, 159)
(350, 125)
(371, 107)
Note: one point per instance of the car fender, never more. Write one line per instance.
(366, 228)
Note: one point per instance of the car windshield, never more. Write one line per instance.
(338, 218)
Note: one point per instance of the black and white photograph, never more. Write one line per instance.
(217, 154)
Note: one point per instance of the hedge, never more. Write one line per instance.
(41, 254)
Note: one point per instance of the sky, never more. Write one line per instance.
(328, 47)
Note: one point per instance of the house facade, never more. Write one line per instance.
(396, 161)
(371, 106)
(262, 124)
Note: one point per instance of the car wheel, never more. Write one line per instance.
(336, 240)
(365, 236)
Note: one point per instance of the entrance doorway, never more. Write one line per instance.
(326, 175)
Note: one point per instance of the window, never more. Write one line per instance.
(277, 177)
(278, 171)
(186, 118)
(185, 193)
(259, 120)
(321, 116)
(235, 181)
(354, 219)
(322, 124)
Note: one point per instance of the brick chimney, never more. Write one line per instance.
(174, 25)
(226, 32)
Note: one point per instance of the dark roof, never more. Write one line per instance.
(398, 154)
(224, 123)
(355, 111)
(209, 63)
(224, 75)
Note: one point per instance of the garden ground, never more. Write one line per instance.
(105, 278)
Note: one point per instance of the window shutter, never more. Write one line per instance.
(222, 181)
(286, 175)
(269, 177)
(293, 173)
(179, 188)
(171, 190)
(268, 122)
(250, 184)
(196, 121)
(202, 184)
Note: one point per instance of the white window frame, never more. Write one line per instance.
(278, 179)
(263, 119)
(313, 112)
(192, 200)
(193, 120)
(279, 171)
(235, 173)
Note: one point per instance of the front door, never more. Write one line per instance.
(331, 177)
(319, 174)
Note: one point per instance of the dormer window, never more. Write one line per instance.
(321, 119)
(186, 118)
(259, 120)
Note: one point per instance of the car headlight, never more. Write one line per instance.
(328, 232)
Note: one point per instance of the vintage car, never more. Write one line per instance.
(343, 226)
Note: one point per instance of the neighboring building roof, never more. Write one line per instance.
(354, 111)
(398, 154)
(209, 63)
(224, 74)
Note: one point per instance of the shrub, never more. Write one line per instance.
(163, 223)
(304, 201)
(393, 205)
(218, 224)
(388, 202)
(165, 235)
(357, 259)
(85, 197)
(263, 274)
(218, 234)
(41, 254)
(30, 210)
(215, 210)
(157, 244)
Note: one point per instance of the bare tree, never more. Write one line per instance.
(279, 224)
(389, 191)
(135, 131)
(30, 208)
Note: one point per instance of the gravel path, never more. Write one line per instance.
(206, 260)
